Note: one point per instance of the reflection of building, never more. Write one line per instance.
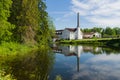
(92, 49)
(79, 51)
(75, 51)
(70, 51)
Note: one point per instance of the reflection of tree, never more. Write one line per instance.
(33, 66)
(110, 50)
(68, 49)
(92, 49)
(100, 50)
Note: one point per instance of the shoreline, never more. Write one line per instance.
(112, 42)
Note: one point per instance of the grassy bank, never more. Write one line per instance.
(8, 52)
(115, 42)
(13, 48)
(34, 62)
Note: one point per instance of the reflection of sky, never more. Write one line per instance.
(92, 67)
(99, 67)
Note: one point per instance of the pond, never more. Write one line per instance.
(80, 62)
(86, 63)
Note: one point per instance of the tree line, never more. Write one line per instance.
(25, 21)
(106, 32)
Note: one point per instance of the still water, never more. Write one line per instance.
(81, 62)
(86, 63)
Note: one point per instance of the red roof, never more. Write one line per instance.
(91, 33)
(59, 30)
(71, 54)
(71, 29)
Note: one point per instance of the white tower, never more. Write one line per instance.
(79, 34)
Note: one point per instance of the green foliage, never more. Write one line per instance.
(5, 30)
(47, 30)
(25, 21)
(106, 32)
(111, 32)
(58, 77)
(32, 22)
(99, 42)
(34, 65)
(12, 48)
(4, 9)
(25, 14)
(48, 33)
(117, 30)
(6, 77)
(5, 27)
(94, 29)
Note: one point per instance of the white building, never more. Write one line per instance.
(70, 33)
(75, 33)
(91, 35)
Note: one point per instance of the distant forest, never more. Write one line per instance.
(106, 32)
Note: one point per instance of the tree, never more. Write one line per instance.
(31, 20)
(117, 30)
(96, 29)
(109, 31)
(86, 30)
(25, 14)
(5, 26)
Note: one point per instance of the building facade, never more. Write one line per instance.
(70, 33)
(75, 33)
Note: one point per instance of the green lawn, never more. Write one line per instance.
(100, 41)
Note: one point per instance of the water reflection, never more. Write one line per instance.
(93, 63)
(71, 50)
(32, 66)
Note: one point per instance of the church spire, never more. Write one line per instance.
(78, 20)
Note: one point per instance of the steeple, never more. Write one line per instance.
(78, 20)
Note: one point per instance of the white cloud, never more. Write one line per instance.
(58, 12)
(80, 5)
(104, 57)
(98, 11)
(98, 67)
(104, 21)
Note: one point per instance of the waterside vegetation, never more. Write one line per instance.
(34, 65)
(26, 31)
(113, 42)
(107, 32)
(24, 26)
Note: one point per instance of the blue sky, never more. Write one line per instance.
(93, 13)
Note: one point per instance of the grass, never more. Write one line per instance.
(12, 54)
(101, 41)
(7, 77)
(8, 51)
(58, 77)
(13, 48)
